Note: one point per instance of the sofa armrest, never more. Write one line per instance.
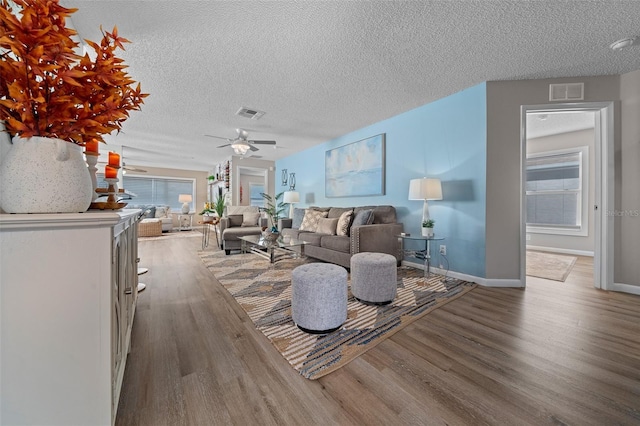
(379, 238)
(224, 224)
(284, 222)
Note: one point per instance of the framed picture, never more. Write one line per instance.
(356, 169)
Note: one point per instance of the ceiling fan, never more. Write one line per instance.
(241, 145)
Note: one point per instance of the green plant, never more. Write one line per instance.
(274, 208)
(219, 204)
(428, 223)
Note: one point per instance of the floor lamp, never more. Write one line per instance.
(291, 197)
(425, 189)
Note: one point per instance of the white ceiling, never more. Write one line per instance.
(553, 123)
(323, 69)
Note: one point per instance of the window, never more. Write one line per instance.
(255, 194)
(159, 190)
(556, 191)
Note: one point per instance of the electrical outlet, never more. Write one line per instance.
(443, 250)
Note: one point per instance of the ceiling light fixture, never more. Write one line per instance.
(623, 43)
(240, 147)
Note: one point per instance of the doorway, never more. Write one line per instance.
(560, 176)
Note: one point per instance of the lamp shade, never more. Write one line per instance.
(291, 197)
(425, 189)
(185, 198)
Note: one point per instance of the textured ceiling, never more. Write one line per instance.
(322, 69)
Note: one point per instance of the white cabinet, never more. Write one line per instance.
(68, 290)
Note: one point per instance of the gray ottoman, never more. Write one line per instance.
(374, 278)
(319, 297)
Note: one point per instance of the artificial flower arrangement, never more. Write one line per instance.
(48, 90)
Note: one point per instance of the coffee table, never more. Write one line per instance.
(282, 248)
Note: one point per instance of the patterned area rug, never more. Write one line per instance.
(549, 265)
(264, 292)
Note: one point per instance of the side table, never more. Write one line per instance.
(206, 230)
(185, 221)
(424, 255)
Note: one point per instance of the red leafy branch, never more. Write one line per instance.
(46, 89)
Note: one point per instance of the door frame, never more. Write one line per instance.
(604, 186)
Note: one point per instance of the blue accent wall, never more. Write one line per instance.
(444, 139)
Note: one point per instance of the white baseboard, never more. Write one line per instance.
(560, 250)
(486, 282)
(626, 288)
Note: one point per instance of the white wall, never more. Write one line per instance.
(627, 252)
(563, 141)
(245, 182)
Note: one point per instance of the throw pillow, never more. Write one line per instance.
(298, 216)
(250, 219)
(162, 212)
(344, 222)
(327, 226)
(151, 211)
(363, 217)
(235, 220)
(311, 219)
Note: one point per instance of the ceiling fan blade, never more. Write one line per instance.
(253, 148)
(263, 142)
(217, 137)
(222, 146)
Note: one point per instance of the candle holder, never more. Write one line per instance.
(112, 190)
(92, 160)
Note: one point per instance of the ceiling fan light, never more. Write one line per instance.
(240, 147)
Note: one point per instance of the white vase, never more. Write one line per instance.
(427, 232)
(44, 175)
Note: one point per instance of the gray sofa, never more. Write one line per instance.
(380, 236)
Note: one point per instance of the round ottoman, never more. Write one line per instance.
(374, 278)
(319, 297)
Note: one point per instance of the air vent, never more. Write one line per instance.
(250, 113)
(566, 92)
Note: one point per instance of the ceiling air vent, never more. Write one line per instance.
(566, 92)
(253, 114)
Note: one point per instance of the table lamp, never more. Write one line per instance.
(185, 199)
(291, 197)
(425, 189)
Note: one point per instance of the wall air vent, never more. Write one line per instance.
(566, 92)
(250, 113)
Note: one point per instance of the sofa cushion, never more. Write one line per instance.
(250, 219)
(232, 234)
(293, 233)
(337, 211)
(312, 238)
(240, 209)
(344, 223)
(311, 219)
(384, 214)
(298, 216)
(327, 226)
(235, 220)
(363, 217)
(335, 242)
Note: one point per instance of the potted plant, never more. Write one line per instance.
(274, 209)
(52, 101)
(427, 228)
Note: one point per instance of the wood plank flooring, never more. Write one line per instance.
(555, 353)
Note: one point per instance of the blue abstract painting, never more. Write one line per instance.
(356, 169)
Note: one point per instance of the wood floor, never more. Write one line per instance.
(555, 353)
